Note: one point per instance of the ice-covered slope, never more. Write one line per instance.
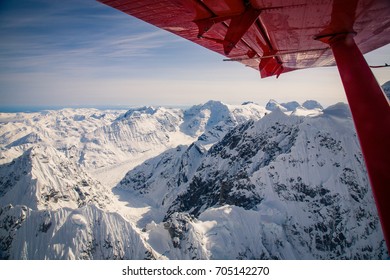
(308, 108)
(136, 132)
(312, 105)
(224, 117)
(201, 118)
(84, 233)
(159, 179)
(50, 208)
(62, 129)
(282, 187)
(43, 178)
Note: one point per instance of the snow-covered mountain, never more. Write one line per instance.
(205, 117)
(62, 129)
(301, 179)
(84, 233)
(214, 181)
(307, 108)
(43, 178)
(52, 209)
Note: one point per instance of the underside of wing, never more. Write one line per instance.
(272, 36)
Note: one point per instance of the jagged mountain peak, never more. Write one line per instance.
(220, 176)
(293, 106)
(340, 110)
(273, 105)
(214, 103)
(149, 110)
(284, 107)
(200, 118)
(248, 103)
(69, 234)
(43, 178)
(31, 138)
(149, 113)
(138, 132)
(312, 104)
(214, 116)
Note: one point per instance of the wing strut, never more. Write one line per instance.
(371, 114)
(239, 25)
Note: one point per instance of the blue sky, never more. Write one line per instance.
(83, 53)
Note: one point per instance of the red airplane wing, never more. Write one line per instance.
(273, 36)
(277, 36)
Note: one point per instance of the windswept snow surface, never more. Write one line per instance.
(215, 181)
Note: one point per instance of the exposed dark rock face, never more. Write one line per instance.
(224, 176)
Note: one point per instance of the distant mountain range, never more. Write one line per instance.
(215, 181)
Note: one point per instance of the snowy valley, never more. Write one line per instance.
(214, 181)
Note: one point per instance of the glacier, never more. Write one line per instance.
(214, 181)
